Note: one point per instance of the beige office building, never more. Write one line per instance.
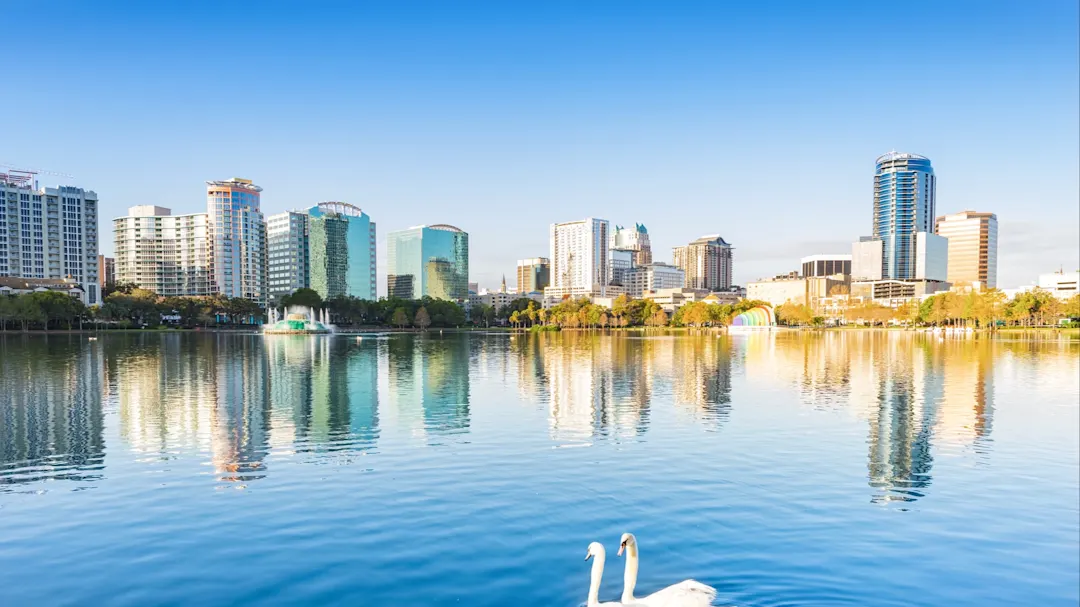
(533, 274)
(972, 247)
(706, 262)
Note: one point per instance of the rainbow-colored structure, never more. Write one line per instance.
(760, 317)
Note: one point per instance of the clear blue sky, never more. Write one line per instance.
(756, 120)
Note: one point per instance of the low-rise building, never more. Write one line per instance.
(653, 277)
(500, 299)
(895, 293)
(674, 298)
(826, 265)
(14, 285)
(778, 290)
(1061, 284)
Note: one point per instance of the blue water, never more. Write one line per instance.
(853, 468)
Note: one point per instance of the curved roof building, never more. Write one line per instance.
(904, 205)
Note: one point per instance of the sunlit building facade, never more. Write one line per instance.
(972, 248)
(533, 274)
(238, 239)
(653, 277)
(49, 233)
(431, 261)
(634, 239)
(164, 253)
(706, 263)
(288, 268)
(579, 259)
(342, 244)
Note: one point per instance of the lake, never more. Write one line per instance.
(838, 468)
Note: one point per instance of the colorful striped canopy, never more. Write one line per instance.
(760, 316)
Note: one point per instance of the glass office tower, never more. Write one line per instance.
(342, 251)
(430, 261)
(904, 205)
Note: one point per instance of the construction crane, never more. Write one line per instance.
(16, 169)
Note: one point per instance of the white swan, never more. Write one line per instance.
(688, 593)
(599, 555)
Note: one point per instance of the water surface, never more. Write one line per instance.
(861, 468)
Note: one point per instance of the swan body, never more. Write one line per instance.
(598, 555)
(688, 593)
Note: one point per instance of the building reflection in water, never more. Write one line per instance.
(702, 377)
(429, 383)
(239, 399)
(324, 393)
(598, 385)
(917, 395)
(51, 421)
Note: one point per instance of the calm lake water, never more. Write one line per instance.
(861, 468)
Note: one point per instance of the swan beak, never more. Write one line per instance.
(621, 546)
(588, 556)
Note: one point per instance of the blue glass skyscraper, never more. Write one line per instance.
(904, 205)
(342, 257)
(428, 261)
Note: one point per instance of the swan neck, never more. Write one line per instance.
(594, 584)
(630, 574)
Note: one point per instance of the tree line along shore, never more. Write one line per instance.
(128, 307)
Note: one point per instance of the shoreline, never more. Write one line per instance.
(1073, 332)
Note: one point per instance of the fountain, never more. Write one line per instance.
(299, 320)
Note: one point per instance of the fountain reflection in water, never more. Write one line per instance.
(299, 320)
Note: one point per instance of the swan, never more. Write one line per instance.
(598, 554)
(688, 593)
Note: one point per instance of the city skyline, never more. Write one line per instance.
(568, 120)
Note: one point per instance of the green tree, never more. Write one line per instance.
(124, 288)
(400, 318)
(58, 308)
(26, 310)
(7, 310)
(303, 297)
(422, 320)
(478, 313)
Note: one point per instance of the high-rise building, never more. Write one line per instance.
(342, 241)
(826, 265)
(636, 240)
(428, 261)
(653, 277)
(49, 233)
(579, 258)
(106, 272)
(238, 239)
(904, 206)
(972, 247)
(288, 267)
(707, 263)
(620, 261)
(533, 274)
(164, 253)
